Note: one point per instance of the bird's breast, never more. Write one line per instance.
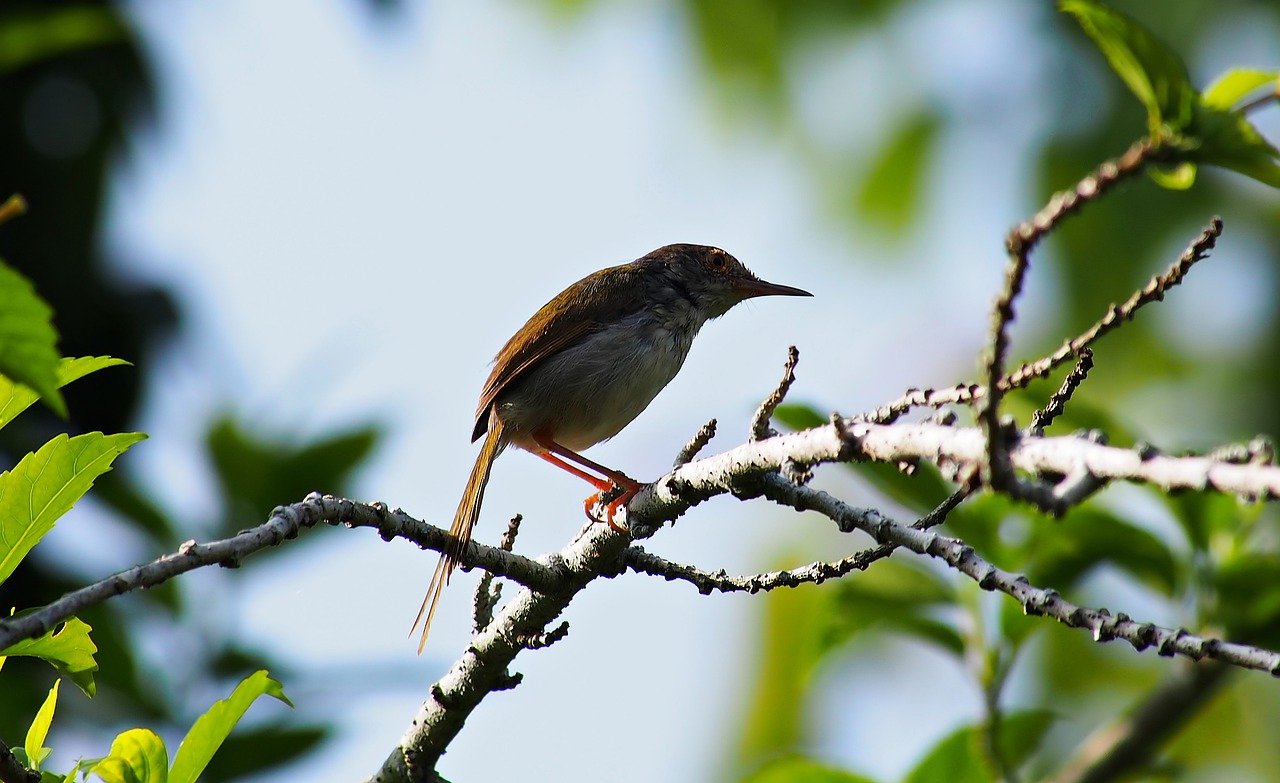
(589, 391)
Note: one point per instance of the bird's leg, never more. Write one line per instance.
(629, 486)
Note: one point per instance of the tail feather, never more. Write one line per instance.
(464, 521)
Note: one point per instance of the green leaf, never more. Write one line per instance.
(254, 472)
(34, 745)
(799, 416)
(67, 648)
(890, 193)
(961, 757)
(137, 756)
(1248, 598)
(1227, 139)
(1090, 536)
(211, 728)
(1153, 71)
(897, 596)
(15, 398)
(921, 491)
(799, 769)
(1235, 85)
(46, 484)
(28, 341)
(1179, 177)
(27, 37)
(788, 650)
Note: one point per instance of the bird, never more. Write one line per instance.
(585, 366)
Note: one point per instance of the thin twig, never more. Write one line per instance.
(489, 592)
(1102, 624)
(760, 428)
(1019, 244)
(643, 562)
(286, 522)
(696, 444)
(1260, 101)
(1057, 403)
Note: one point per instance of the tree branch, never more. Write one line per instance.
(12, 771)
(1040, 601)
(286, 522)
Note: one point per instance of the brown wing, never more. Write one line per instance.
(573, 313)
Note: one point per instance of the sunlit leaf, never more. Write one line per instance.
(799, 769)
(890, 194)
(799, 416)
(46, 484)
(962, 757)
(211, 728)
(67, 648)
(137, 756)
(1235, 85)
(1153, 71)
(39, 730)
(16, 397)
(1179, 177)
(28, 341)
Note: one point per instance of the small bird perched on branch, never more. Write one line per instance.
(586, 364)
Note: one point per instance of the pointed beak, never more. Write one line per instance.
(752, 287)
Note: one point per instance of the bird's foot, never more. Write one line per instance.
(614, 498)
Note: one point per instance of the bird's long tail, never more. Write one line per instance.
(464, 521)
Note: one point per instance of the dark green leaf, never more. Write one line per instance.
(16, 397)
(68, 648)
(1061, 554)
(896, 596)
(799, 416)
(890, 194)
(921, 491)
(137, 756)
(28, 341)
(256, 473)
(798, 769)
(1227, 139)
(211, 728)
(1153, 71)
(259, 750)
(44, 486)
(1248, 601)
(961, 757)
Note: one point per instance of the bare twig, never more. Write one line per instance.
(286, 522)
(696, 444)
(1019, 244)
(1058, 401)
(1102, 624)
(1262, 100)
(488, 592)
(643, 562)
(760, 428)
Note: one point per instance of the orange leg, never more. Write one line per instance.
(629, 486)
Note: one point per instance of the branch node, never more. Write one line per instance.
(760, 429)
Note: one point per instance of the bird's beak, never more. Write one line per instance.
(749, 288)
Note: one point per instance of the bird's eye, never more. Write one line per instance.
(717, 261)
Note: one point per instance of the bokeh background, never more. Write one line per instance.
(310, 226)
